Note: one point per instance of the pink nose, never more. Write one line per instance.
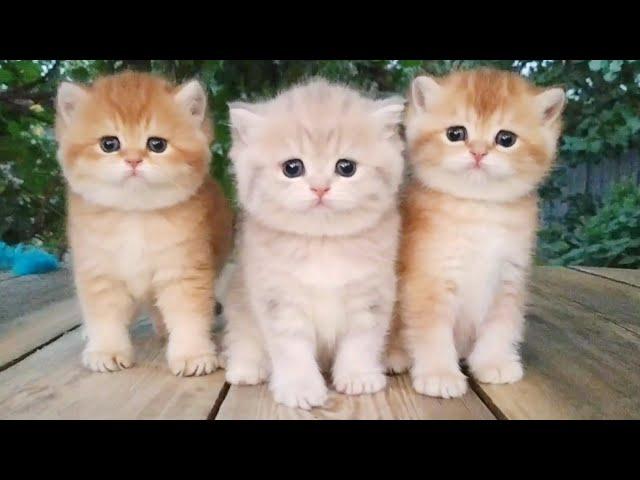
(477, 156)
(134, 162)
(320, 191)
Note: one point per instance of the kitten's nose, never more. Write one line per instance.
(134, 162)
(477, 156)
(320, 191)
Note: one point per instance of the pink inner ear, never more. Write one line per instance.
(549, 112)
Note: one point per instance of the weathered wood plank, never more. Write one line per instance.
(52, 384)
(22, 295)
(578, 364)
(33, 310)
(624, 275)
(398, 402)
(615, 301)
(26, 333)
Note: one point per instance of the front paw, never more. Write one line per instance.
(443, 385)
(300, 393)
(246, 373)
(193, 365)
(106, 361)
(359, 383)
(507, 372)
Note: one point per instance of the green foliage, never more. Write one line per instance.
(601, 120)
(608, 237)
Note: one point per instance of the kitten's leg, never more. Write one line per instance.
(289, 334)
(187, 305)
(397, 358)
(296, 380)
(428, 316)
(495, 357)
(358, 366)
(107, 309)
(244, 352)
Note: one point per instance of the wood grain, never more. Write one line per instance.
(578, 364)
(398, 402)
(28, 332)
(52, 384)
(625, 275)
(34, 309)
(22, 295)
(614, 301)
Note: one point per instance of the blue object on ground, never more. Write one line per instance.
(26, 260)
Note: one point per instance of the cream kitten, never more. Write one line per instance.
(146, 224)
(479, 143)
(318, 168)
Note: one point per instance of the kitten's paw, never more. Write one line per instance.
(448, 385)
(246, 373)
(358, 383)
(508, 372)
(397, 361)
(193, 366)
(304, 394)
(107, 361)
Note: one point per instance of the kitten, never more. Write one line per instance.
(479, 143)
(146, 224)
(317, 168)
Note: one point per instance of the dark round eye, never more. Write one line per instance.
(505, 138)
(345, 168)
(293, 168)
(457, 134)
(156, 144)
(110, 144)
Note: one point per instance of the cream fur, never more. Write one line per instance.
(315, 285)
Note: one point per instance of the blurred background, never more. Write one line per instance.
(591, 202)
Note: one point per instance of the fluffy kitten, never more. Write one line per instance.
(479, 144)
(146, 224)
(318, 168)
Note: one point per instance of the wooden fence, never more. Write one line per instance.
(596, 179)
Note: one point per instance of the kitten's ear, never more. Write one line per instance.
(551, 102)
(193, 98)
(389, 111)
(243, 119)
(424, 90)
(68, 98)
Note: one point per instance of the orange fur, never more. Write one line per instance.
(158, 240)
(468, 233)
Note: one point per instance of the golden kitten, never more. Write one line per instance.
(147, 225)
(479, 143)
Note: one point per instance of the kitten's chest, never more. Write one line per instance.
(329, 263)
(484, 257)
(132, 254)
(122, 246)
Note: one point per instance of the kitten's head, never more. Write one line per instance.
(483, 134)
(319, 159)
(133, 141)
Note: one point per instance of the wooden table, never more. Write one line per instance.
(581, 355)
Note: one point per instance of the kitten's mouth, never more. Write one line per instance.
(134, 174)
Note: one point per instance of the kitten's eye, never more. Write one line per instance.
(109, 144)
(456, 134)
(293, 168)
(156, 144)
(345, 168)
(505, 138)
